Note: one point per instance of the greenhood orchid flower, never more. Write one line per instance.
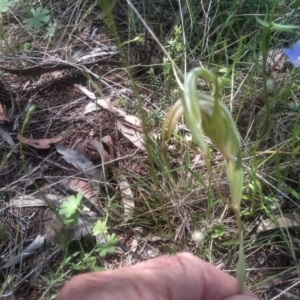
(207, 114)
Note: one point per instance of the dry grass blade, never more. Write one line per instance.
(127, 198)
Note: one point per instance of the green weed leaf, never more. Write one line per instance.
(70, 209)
(87, 263)
(50, 30)
(99, 228)
(217, 231)
(276, 26)
(39, 16)
(6, 4)
(109, 247)
(263, 23)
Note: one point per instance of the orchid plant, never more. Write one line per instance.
(207, 114)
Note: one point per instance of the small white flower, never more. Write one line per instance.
(197, 236)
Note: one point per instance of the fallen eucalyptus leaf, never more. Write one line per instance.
(133, 135)
(107, 140)
(79, 161)
(88, 93)
(40, 143)
(29, 250)
(104, 103)
(7, 138)
(102, 152)
(133, 120)
(37, 200)
(282, 221)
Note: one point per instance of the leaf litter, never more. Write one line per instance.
(62, 168)
(128, 125)
(39, 143)
(79, 161)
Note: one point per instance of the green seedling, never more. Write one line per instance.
(40, 16)
(87, 262)
(109, 246)
(70, 209)
(6, 4)
(99, 228)
(106, 243)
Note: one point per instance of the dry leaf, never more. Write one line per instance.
(127, 198)
(131, 127)
(79, 186)
(283, 221)
(39, 144)
(7, 138)
(104, 103)
(102, 152)
(109, 142)
(37, 243)
(131, 134)
(156, 238)
(134, 245)
(276, 60)
(37, 200)
(2, 114)
(86, 91)
(134, 121)
(79, 161)
(83, 228)
(98, 51)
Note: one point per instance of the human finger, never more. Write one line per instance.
(182, 276)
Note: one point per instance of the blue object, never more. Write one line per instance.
(293, 54)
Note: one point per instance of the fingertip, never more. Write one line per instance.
(227, 284)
